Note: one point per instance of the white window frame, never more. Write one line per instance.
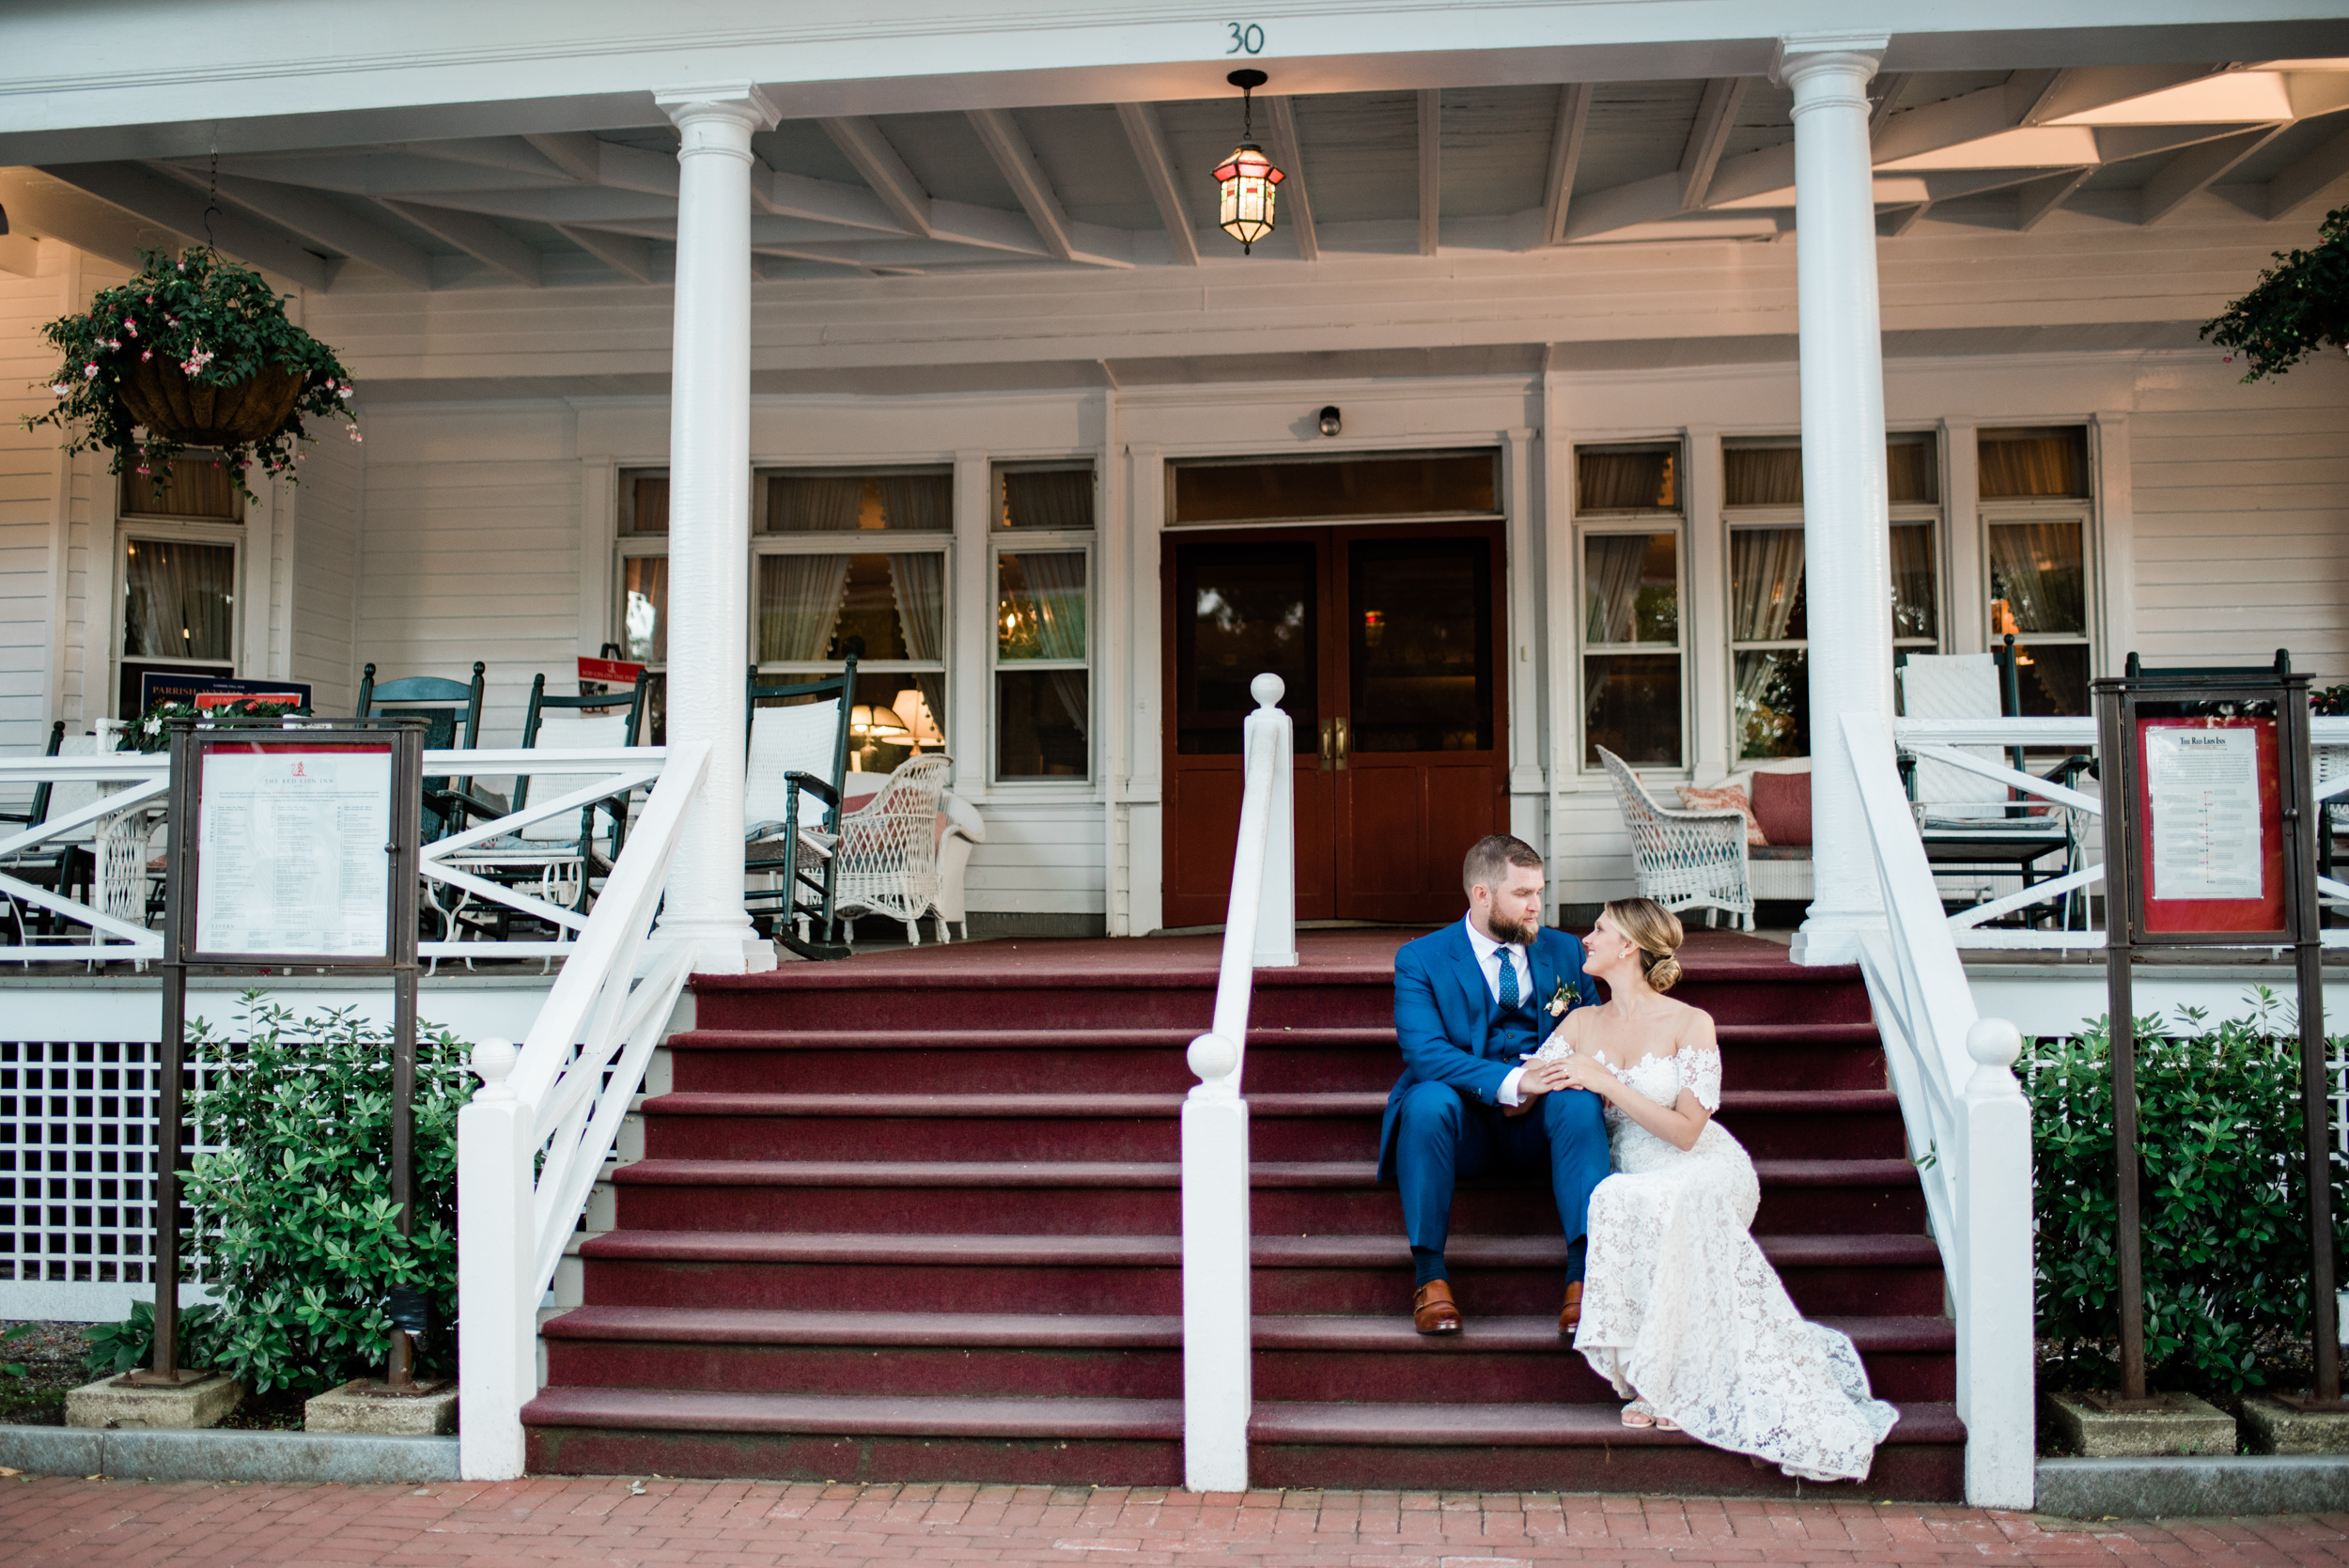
(143, 526)
(627, 546)
(2052, 509)
(1588, 525)
(1043, 541)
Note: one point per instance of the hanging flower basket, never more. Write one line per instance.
(191, 353)
(2300, 306)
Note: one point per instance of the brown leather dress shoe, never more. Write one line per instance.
(1572, 1313)
(1433, 1311)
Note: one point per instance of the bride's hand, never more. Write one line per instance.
(1583, 1072)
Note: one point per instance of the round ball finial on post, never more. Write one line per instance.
(494, 1060)
(1267, 688)
(1994, 1044)
(1212, 1057)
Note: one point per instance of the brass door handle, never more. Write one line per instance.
(1341, 725)
(1328, 745)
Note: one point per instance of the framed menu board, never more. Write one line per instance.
(2210, 815)
(294, 845)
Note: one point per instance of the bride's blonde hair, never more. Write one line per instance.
(1657, 932)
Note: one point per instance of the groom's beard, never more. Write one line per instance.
(1514, 933)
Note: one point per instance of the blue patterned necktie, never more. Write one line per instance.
(1508, 982)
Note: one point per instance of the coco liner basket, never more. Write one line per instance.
(163, 400)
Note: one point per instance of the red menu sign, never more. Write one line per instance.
(2210, 816)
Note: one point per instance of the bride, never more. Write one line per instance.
(1680, 1311)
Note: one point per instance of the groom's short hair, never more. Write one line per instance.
(1489, 858)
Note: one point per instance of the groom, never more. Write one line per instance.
(1469, 1001)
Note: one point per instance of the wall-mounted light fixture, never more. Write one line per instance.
(1331, 425)
(1247, 178)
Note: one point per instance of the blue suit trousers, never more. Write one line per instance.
(1442, 1137)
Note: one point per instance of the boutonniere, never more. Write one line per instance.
(1562, 1002)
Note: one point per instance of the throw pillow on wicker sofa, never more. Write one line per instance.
(1781, 803)
(1721, 798)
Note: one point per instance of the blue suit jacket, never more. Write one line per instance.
(1443, 1012)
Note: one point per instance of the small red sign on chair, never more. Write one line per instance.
(616, 672)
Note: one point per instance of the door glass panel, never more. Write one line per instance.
(1241, 610)
(1420, 632)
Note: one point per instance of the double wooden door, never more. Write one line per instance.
(1390, 639)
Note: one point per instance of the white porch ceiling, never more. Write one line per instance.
(1417, 171)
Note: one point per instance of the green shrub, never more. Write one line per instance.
(2223, 1188)
(294, 1212)
(116, 1348)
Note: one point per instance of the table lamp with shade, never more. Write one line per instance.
(914, 711)
(873, 727)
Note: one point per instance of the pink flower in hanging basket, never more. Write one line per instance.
(63, 389)
(355, 435)
(91, 370)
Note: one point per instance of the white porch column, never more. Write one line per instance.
(710, 513)
(1847, 545)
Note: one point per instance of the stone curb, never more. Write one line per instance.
(2186, 1487)
(160, 1455)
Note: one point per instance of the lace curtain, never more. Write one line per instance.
(1055, 591)
(1912, 580)
(1062, 499)
(179, 600)
(814, 503)
(920, 584)
(1613, 564)
(918, 500)
(1623, 481)
(2035, 567)
(799, 602)
(1765, 585)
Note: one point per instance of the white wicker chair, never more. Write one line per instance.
(888, 847)
(1686, 860)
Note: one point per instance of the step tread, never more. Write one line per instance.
(1166, 1251)
(1702, 968)
(1174, 1038)
(1526, 1426)
(1141, 1174)
(694, 1410)
(1078, 1331)
(1327, 1103)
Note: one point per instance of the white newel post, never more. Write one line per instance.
(1996, 1368)
(709, 516)
(1846, 546)
(497, 1312)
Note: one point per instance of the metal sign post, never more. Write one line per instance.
(291, 844)
(2210, 841)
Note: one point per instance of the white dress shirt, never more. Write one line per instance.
(1489, 954)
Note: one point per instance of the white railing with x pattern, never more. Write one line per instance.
(1968, 1129)
(487, 865)
(1259, 932)
(2060, 911)
(537, 1135)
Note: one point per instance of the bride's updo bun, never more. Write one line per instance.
(1658, 933)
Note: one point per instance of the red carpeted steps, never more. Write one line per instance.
(915, 1217)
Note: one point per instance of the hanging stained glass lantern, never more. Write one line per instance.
(1247, 179)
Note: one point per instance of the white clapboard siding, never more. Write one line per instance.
(1038, 858)
(326, 508)
(34, 485)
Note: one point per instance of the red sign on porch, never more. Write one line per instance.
(614, 672)
(2210, 813)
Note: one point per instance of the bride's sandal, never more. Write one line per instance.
(1638, 1414)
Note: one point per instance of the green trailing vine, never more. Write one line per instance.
(221, 325)
(2299, 306)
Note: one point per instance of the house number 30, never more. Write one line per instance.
(1246, 39)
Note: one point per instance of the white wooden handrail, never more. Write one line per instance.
(535, 1137)
(1259, 932)
(1969, 1131)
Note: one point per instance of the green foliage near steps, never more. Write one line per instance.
(2225, 1207)
(116, 1348)
(295, 1212)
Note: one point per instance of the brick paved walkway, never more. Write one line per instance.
(97, 1523)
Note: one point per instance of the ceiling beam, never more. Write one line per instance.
(164, 200)
(2198, 168)
(512, 154)
(1893, 222)
(2077, 89)
(1889, 84)
(478, 237)
(1293, 206)
(859, 141)
(826, 201)
(323, 221)
(1430, 169)
(1147, 138)
(624, 254)
(1015, 160)
(1565, 157)
(1717, 116)
(2306, 180)
(593, 161)
(2040, 199)
(49, 208)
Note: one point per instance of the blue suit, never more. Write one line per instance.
(1443, 1121)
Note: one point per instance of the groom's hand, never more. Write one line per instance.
(1541, 1077)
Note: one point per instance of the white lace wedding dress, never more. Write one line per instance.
(1681, 1309)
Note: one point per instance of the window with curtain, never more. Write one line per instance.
(910, 501)
(813, 609)
(192, 487)
(1768, 630)
(2032, 461)
(1045, 498)
(641, 634)
(1631, 687)
(1631, 479)
(1042, 652)
(179, 612)
(2039, 595)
